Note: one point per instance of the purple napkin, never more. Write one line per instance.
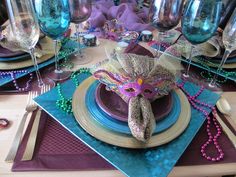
(126, 13)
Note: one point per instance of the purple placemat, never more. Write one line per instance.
(57, 149)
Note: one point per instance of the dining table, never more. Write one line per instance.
(12, 107)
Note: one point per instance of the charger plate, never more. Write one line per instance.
(86, 121)
(115, 125)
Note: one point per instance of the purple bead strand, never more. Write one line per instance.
(13, 74)
(211, 138)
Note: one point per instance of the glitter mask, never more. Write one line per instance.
(138, 88)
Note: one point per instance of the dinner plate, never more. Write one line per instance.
(20, 57)
(122, 127)
(6, 54)
(85, 120)
(27, 62)
(11, 65)
(114, 106)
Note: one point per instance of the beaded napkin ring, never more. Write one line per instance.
(212, 139)
(65, 104)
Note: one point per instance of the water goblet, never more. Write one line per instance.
(229, 41)
(199, 23)
(164, 15)
(25, 28)
(54, 20)
(80, 11)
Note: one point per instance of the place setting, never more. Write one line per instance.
(119, 85)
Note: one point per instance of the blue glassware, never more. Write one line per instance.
(200, 22)
(54, 21)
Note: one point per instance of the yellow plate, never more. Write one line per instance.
(86, 121)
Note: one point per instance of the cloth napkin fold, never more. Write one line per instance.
(133, 19)
(8, 41)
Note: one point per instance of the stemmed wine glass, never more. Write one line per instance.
(25, 28)
(80, 11)
(164, 15)
(200, 22)
(229, 40)
(54, 20)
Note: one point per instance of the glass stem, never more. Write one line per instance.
(225, 57)
(159, 40)
(57, 66)
(78, 38)
(39, 78)
(186, 74)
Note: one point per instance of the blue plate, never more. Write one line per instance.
(122, 127)
(20, 57)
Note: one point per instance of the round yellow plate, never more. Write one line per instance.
(86, 121)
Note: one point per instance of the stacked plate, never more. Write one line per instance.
(229, 64)
(10, 60)
(104, 115)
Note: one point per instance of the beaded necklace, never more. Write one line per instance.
(207, 74)
(65, 104)
(212, 139)
(12, 74)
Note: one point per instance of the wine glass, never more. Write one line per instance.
(54, 20)
(164, 15)
(229, 41)
(200, 22)
(80, 11)
(25, 28)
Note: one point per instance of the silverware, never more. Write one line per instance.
(227, 131)
(30, 107)
(225, 108)
(30, 146)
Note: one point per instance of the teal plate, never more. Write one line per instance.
(20, 57)
(122, 127)
(158, 161)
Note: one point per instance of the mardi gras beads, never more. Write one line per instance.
(65, 104)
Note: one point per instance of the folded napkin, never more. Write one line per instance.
(8, 41)
(126, 13)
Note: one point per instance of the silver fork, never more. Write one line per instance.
(30, 146)
(30, 107)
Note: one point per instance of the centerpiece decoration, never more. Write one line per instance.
(138, 80)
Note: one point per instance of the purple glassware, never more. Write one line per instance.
(80, 11)
(164, 15)
(114, 106)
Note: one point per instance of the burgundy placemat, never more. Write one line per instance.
(59, 150)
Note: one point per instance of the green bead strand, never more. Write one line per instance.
(66, 104)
